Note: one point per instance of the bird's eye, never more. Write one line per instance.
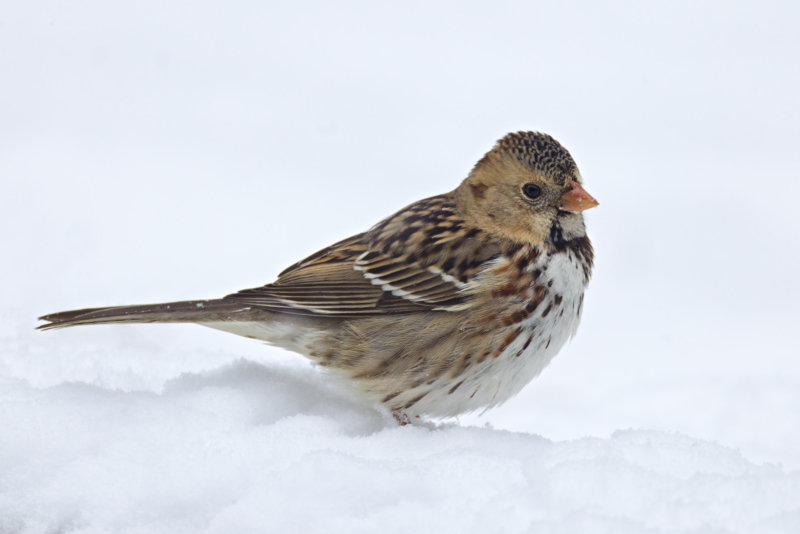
(531, 190)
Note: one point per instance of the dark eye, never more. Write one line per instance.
(531, 190)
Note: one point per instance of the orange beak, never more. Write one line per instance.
(577, 199)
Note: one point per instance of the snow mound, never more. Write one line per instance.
(248, 447)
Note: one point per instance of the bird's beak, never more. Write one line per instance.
(577, 199)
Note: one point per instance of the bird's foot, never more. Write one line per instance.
(401, 418)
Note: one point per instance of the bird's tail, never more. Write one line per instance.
(189, 311)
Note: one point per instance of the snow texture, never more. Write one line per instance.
(160, 151)
(248, 446)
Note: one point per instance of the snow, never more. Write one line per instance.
(113, 435)
(246, 446)
(155, 152)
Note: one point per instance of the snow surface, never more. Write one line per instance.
(153, 151)
(113, 435)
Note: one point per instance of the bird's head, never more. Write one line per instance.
(523, 189)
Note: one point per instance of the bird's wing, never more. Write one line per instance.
(416, 260)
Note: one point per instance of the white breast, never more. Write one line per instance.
(544, 332)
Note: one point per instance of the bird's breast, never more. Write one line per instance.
(547, 314)
(532, 307)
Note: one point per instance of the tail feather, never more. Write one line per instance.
(189, 311)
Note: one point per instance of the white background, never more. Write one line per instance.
(155, 152)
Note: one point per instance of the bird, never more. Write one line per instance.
(451, 305)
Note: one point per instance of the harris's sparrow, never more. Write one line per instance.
(452, 304)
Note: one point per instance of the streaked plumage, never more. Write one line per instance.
(450, 305)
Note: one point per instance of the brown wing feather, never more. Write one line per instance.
(337, 253)
(416, 260)
(325, 283)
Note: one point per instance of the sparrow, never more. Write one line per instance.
(451, 305)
